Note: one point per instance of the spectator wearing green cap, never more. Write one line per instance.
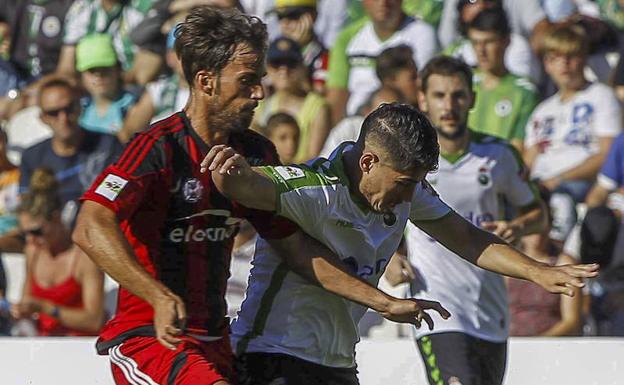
(107, 104)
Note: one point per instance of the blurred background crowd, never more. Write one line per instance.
(79, 77)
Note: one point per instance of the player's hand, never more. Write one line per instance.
(563, 279)
(412, 311)
(224, 160)
(506, 230)
(169, 320)
(399, 270)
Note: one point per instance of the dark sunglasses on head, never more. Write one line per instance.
(36, 232)
(294, 14)
(68, 110)
(289, 63)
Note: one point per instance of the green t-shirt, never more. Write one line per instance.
(504, 110)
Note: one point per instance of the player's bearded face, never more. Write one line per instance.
(447, 101)
(238, 91)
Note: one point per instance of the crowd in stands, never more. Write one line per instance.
(78, 78)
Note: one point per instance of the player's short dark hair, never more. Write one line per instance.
(445, 66)
(277, 119)
(405, 134)
(208, 38)
(392, 60)
(491, 20)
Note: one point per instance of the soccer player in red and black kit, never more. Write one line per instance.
(159, 227)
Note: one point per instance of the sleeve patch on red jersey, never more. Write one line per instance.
(111, 186)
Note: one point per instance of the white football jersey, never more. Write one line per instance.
(474, 186)
(284, 313)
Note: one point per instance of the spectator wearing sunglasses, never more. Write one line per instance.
(288, 76)
(296, 21)
(63, 290)
(105, 108)
(74, 155)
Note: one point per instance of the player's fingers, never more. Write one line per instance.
(407, 269)
(434, 305)
(427, 319)
(233, 161)
(172, 330)
(180, 311)
(210, 156)
(171, 341)
(585, 271)
(221, 157)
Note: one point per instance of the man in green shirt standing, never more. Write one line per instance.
(504, 101)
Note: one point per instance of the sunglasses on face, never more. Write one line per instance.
(289, 63)
(68, 110)
(35, 232)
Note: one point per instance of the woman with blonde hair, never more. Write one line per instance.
(63, 290)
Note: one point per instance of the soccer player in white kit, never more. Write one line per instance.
(476, 174)
(357, 202)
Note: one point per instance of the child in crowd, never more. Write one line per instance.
(282, 129)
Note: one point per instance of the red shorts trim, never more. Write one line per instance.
(144, 361)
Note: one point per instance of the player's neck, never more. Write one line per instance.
(453, 146)
(352, 170)
(200, 122)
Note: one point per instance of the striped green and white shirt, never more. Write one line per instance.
(284, 313)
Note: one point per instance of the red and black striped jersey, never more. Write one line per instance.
(179, 225)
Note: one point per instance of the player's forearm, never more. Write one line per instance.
(102, 240)
(252, 189)
(500, 257)
(319, 265)
(532, 220)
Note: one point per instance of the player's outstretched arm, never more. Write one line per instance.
(316, 263)
(98, 234)
(236, 179)
(488, 251)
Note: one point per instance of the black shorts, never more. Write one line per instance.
(470, 360)
(282, 369)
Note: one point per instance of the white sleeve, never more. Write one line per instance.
(426, 204)
(425, 44)
(301, 194)
(608, 115)
(76, 22)
(517, 188)
(447, 29)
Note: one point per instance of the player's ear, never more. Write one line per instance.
(367, 161)
(206, 81)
